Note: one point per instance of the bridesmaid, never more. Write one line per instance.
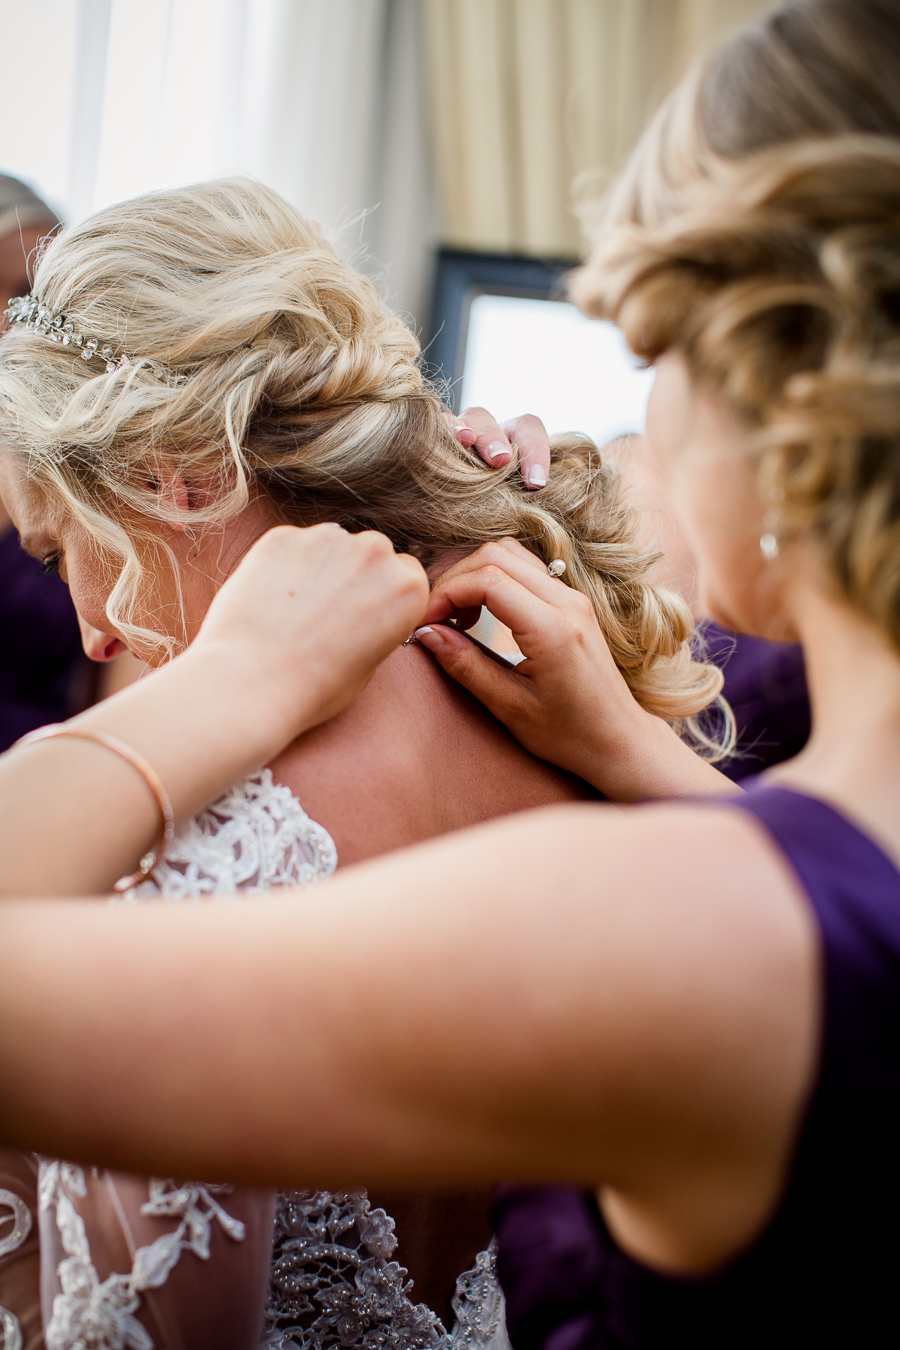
(44, 675)
(796, 74)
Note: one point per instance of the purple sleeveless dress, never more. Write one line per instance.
(826, 1271)
(765, 683)
(44, 674)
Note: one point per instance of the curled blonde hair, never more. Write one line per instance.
(778, 279)
(262, 362)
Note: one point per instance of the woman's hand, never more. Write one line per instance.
(567, 701)
(496, 444)
(291, 638)
(310, 613)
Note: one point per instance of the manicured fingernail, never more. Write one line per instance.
(496, 449)
(430, 639)
(537, 476)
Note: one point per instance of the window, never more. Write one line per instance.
(506, 339)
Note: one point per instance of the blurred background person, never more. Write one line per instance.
(24, 221)
(44, 675)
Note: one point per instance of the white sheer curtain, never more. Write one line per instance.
(321, 99)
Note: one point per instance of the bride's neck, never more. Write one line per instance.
(444, 560)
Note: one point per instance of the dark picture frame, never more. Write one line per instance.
(459, 277)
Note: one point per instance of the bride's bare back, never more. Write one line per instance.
(414, 756)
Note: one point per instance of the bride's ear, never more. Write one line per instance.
(172, 492)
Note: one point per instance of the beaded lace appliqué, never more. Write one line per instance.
(333, 1283)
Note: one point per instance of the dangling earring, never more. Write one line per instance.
(768, 546)
(768, 542)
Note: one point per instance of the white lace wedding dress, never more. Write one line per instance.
(332, 1283)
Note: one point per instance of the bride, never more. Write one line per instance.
(195, 367)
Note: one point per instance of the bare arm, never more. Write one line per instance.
(290, 639)
(592, 1003)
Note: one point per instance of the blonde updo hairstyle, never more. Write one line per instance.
(260, 362)
(757, 232)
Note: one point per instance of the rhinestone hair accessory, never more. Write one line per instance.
(38, 318)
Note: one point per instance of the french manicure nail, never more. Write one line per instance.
(429, 638)
(496, 449)
(537, 476)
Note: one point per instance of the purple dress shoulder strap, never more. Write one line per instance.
(825, 1270)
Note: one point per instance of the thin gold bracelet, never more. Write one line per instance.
(144, 768)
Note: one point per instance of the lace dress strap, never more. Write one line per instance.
(254, 838)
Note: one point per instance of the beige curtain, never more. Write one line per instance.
(527, 95)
